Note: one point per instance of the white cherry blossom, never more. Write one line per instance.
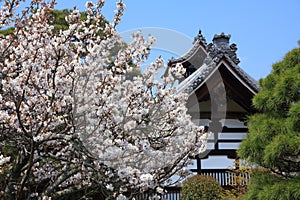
(71, 121)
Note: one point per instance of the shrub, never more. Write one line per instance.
(201, 187)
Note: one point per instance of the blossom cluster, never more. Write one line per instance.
(4, 159)
(70, 117)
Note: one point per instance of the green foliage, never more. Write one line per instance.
(273, 141)
(272, 187)
(280, 89)
(59, 20)
(294, 120)
(201, 187)
(7, 31)
(280, 151)
(262, 130)
(133, 73)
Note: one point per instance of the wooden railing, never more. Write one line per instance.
(172, 193)
(225, 177)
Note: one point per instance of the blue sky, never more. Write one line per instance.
(264, 31)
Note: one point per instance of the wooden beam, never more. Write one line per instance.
(230, 153)
(234, 130)
(225, 141)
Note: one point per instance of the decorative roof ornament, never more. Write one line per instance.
(200, 38)
(213, 53)
(220, 47)
(222, 37)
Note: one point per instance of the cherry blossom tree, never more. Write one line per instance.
(72, 124)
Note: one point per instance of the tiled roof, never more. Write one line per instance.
(215, 52)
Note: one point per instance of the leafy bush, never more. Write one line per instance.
(201, 187)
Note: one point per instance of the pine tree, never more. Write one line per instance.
(273, 142)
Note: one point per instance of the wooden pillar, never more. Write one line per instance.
(216, 138)
(198, 165)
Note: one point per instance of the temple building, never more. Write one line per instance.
(220, 97)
